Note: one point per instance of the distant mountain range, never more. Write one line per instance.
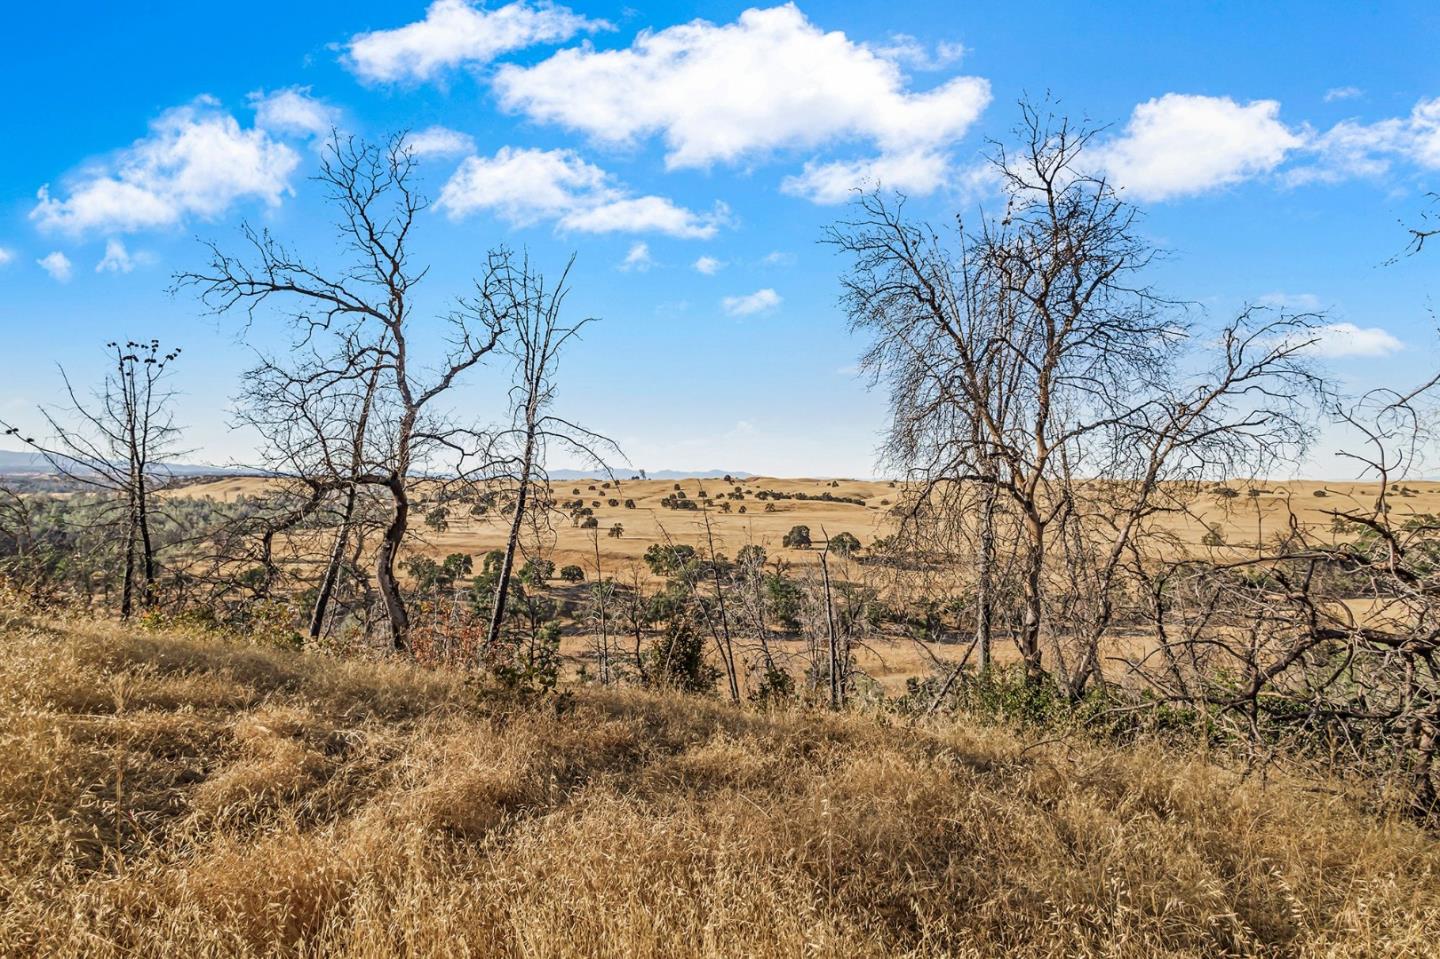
(23, 463)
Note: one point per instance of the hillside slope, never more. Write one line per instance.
(174, 795)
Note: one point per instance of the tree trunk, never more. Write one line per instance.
(599, 588)
(507, 565)
(337, 553)
(837, 697)
(147, 548)
(332, 568)
(984, 589)
(722, 640)
(385, 567)
(127, 587)
(1030, 625)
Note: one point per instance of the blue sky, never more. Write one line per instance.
(690, 154)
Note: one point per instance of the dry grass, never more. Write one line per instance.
(1243, 519)
(169, 795)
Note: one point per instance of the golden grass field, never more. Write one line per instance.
(890, 662)
(1240, 519)
(168, 794)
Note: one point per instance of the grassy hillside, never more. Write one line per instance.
(180, 796)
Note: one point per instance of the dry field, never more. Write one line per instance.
(165, 794)
(650, 523)
(1240, 519)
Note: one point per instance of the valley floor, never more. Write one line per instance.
(171, 795)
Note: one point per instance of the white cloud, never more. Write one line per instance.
(526, 186)
(778, 258)
(439, 141)
(1305, 302)
(646, 214)
(1354, 149)
(1423, 129)
(918, 172)
(117, 259)
(522, 185)
(1339, 340)
(638, 259)
(197, 161)
(909, 51)
(57, 264)
(760, 301)
(6, 256)
(1343, 93)
(1182, 144)
(456, 32)
(708, 265)
(294, 112)
(770, 81)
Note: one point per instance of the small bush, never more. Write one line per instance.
(797, 538)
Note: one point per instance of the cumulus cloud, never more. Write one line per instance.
(1354, 149)
(645, 214)
(457, 32)
(196, 161)
(761, 301)
(1341, 340)
(638, 259)
(1182, 144)
(526, 186)
(293, 111)
(117, 259)
(735, 92)
(439, 141)
(917, 172)
(57, 264)
(705, 264)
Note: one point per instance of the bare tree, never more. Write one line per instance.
(314, 416)
(1030, 359)
(360, 317)
(534, 344)
(1325, 638)
(115, 442)
(1322, 638)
